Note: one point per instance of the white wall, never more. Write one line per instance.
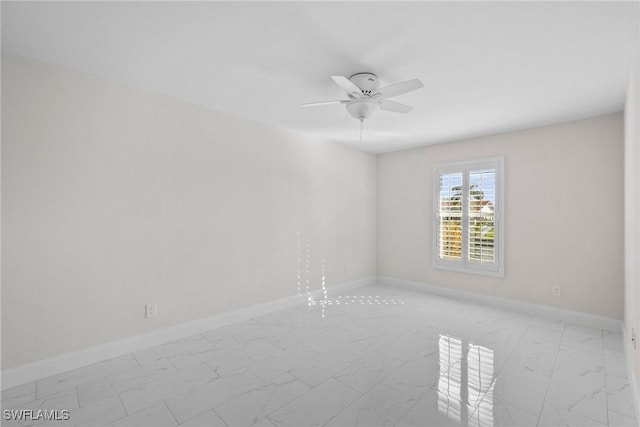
(632, 211)
(563, 215)
(114, 198)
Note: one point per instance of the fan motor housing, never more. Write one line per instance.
(367, 82)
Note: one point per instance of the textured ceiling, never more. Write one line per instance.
(487, 67)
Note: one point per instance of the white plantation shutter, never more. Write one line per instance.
(450, 231)
(468, 224)
(481, 218)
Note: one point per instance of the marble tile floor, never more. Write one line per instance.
(378, 356)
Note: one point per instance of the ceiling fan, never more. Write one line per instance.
(366, 96)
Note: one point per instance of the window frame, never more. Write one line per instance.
(463, 264)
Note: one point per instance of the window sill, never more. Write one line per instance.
(499, 273)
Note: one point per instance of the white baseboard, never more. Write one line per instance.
(633, 380)
(575, 317)
(54, 365)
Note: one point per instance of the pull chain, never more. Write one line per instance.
(361, 126)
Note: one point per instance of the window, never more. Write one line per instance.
(468, 223)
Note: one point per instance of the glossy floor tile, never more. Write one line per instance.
(378, 356)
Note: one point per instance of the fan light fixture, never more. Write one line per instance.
(362, 108)
(366, 96)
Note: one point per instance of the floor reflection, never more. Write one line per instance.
(321, 299)
(465, 387)
(324, 301)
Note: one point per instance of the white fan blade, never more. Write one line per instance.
(347, 85)
(400, 88)
(395, 107)
(314, 104)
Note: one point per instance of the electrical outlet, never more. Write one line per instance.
(151, 310)
(556, 291)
